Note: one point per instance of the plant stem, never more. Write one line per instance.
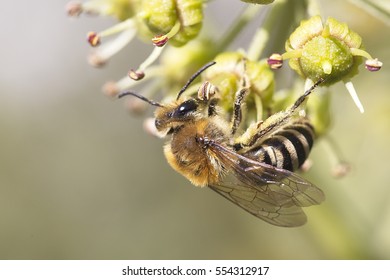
(246, 16)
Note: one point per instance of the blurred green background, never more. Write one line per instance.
(79, 178)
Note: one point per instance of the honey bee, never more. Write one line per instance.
(253, 170)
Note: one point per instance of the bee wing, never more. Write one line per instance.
(272, 194)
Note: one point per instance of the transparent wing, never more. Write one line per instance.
(272, 194)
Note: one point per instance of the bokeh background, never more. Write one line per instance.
(79, 178)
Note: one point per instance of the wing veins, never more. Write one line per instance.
(272, 194)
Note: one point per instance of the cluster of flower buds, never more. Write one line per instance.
(154, 21)
(316, 50)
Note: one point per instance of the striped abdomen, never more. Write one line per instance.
(288, 148)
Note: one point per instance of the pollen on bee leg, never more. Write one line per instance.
(302, 113)
(259, 123)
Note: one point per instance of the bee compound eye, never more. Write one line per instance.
(185, 108)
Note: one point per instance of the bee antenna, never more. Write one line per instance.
(151, 102)
(200, 71)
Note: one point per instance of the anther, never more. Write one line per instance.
(275, 61)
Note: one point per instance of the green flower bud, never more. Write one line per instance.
(184, 17)
(190, 13)
(324, 51)
(159, 16)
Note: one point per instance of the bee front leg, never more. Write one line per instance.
(237, 113)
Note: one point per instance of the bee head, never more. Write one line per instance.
(182, 110)
(174, 115)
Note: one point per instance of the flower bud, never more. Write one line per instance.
(324, 51)
(330, 52)
(184, 17)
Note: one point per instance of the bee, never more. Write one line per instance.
(253, 170)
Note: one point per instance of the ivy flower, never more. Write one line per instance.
(328, 51)
(176, 21)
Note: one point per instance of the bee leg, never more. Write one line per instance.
(238, 99)
(260, 130)
(256, 131)
(237, 113)
(303, 97)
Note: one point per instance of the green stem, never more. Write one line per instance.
(245, 17)
(262, 35)
(313, 8)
